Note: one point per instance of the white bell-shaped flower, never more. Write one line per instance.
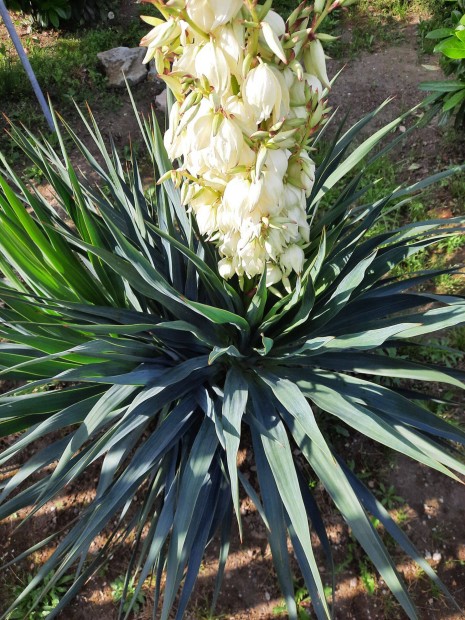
(292, 259)
(209, 14)
(211, 62)
(226, 268)
(231, 40)
(262, 92)
(205, 216)
(226, 147)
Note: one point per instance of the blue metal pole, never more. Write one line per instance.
(26, 64)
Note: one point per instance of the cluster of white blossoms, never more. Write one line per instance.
(250, 94)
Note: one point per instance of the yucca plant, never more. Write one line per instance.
(146, 357)
(134, 353)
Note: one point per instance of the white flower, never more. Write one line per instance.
(269, 36)
(273, 274)
(228, 244)
(211, 62)
(226, 147)
(209, 14)
(226, 268)
(292, 259)
(262, 92)
(298, 215)
(185, 63)
(276, 22)
(314, 83)
(206, 219)
(274, 243)
(235, 205)
(277, 161)
(292, 197)
(230, 39)
(252, 256)
(204, 196)
(266, 193)
(245, 173)
(236, 108)
(173, 143)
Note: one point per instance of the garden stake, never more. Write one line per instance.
(26, 64)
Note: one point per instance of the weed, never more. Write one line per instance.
(303, 602)
(367, 576)
(388, 496)
(35, 606)
(402, 516)
(118, 591)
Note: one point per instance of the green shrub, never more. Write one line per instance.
(448, 97)
(56, 12)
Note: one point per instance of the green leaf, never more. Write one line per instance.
(448, 86)
(440, 33)
(452, 48)
(234, 406)
(453, 101)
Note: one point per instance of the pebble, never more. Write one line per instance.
(353, 583)
(437, 557)
(267, 596)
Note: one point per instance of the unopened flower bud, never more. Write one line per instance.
(301, 172)
(162, 34)
(315, 61)
(272, 40)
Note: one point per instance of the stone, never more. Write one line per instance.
(158, 84)
(161, 102)
(121, 62)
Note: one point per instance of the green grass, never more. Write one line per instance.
(375, 23)
(68, 71)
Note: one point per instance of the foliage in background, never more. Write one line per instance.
(62, 12)
(448, 97)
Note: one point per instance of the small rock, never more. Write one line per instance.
(428, 555)
(152, 76)
(121, 62)
(353, 583)
(267, 596)
(437, 557)
(161, 101)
